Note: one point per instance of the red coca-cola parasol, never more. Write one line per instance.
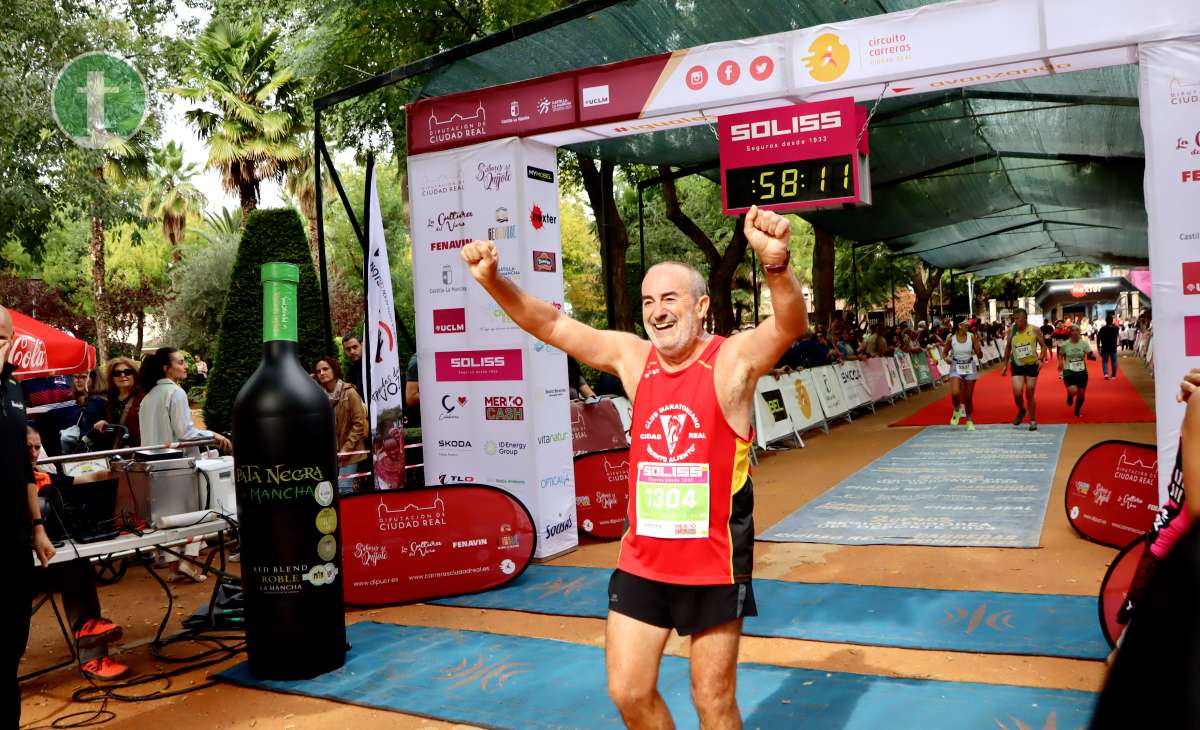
(39, 350)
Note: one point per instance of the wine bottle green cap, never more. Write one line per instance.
(280, 271)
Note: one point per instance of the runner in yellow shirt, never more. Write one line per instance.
(1026, 351)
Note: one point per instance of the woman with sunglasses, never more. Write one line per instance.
(124, 399)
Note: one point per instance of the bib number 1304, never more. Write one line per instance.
(672, 500)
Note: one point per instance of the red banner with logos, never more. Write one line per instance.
(1115, 588)
(596, 426)
(602, 493)
(1112, 492)
(420, 544)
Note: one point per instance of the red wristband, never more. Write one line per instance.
(778, 268)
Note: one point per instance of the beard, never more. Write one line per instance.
(677, 339)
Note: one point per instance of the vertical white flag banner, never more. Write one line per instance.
(1169, 98)
(382, 382)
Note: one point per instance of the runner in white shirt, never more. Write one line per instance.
(962, 351)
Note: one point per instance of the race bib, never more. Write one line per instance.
(672, 500)
(962, 368)
(1024, 351)
(1077, 366)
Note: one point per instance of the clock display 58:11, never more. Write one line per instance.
(825, 178)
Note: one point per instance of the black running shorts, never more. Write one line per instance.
(687, 609)
(1078, 379)
(1029, 371)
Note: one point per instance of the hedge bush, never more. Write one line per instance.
(269, 235)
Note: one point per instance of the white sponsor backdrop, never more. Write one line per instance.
(493, 399)
(895, 385)
(801, 397)
(854, 387)
(908, 374)
(771, 424)
(828, 386)
(1170, 107)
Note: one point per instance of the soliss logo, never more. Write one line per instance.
(477, 362)
(785, 128)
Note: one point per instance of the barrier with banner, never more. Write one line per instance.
(1112, 492)
(419, 544)
(854, 386)
(875, 377)
(771, 420)
(908, 374)
(602, 492)
(802, 403)
(1114, 589)
(828, 386)
(895, 384)
(596, 426)
(920, 362)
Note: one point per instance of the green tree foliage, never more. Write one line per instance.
(1008, 287)
(270, 235)
(170, 195)
(200, 282)
(582, 280)
(253, 132)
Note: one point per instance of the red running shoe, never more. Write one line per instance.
(97, 630)
(104, 669)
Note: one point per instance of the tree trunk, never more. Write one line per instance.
(141, 330)
(599, 186)
(96, 251)
(822, 271)
(249, 197)
(721, 266)
(314, 243)
(924, 284)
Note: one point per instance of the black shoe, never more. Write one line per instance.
(1020, 417)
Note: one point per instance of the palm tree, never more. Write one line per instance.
(252, 115)
(117, 163)
(223, 226)
(301, 184)
(170, 194)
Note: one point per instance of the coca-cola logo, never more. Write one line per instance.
(27, 353)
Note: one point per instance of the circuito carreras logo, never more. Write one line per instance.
(828, 58)
(672, 433)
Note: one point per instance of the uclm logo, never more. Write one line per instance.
(478, 365)
(798, 124)
(449, 321)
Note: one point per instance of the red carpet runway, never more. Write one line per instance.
(1108, 401)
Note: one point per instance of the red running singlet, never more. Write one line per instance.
(691, 501)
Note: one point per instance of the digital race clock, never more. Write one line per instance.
(803, 156)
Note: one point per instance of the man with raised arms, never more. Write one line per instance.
(687, 555)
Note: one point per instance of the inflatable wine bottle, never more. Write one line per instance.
(283, 445)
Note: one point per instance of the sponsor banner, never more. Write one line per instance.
(711, 75)
(828, 386)
(895, 384)
(920, 362)
(800, 398)
(420, 544)
(908, 374)
(596, 426)
(490, 393)
(383, 382)
(854, 386)
(771, 421)
(1169, 99)
(1114, 589)
(1112, 492)
(602, 493)
(875, 377)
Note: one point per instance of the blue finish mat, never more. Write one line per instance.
(945, 487)
(913, 618)
(513, 682)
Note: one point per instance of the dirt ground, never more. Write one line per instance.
(783, 481)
